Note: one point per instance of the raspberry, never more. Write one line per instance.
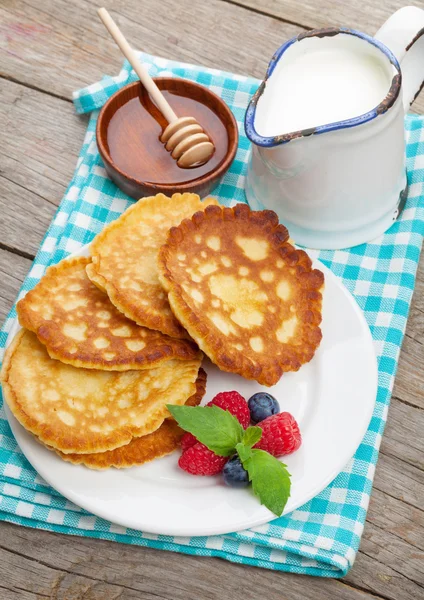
(280, 434)
(235, 404)
(199, 460)
(187, 441)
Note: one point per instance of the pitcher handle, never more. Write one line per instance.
(403, 34)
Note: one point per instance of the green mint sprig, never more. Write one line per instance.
(221, 432)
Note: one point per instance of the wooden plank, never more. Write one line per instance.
(43, 562)
(400, 480)
(34, 580)
(409, 384)
(392, 548)
(390, 561)
(13, 269)
(40, 139)
(382, 580)
(366, 16)
(395, 553)
(396, 517)
(24, 220)
(45, 40)
(404, 434)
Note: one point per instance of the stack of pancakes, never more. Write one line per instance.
(92, 370)
(108, 341)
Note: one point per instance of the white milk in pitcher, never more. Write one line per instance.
(323, 85)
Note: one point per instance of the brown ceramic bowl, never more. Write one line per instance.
(224, 136)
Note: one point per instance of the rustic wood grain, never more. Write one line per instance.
(13, 269)
(41, 133)
(74, 30)
(57, 46)
(400, 480)
(40, 139)
(207, 33)
(40, 561)
(404, 433)
(409, 383)
(382, 580)
(405, 560)
(397, 517)
(365, 16)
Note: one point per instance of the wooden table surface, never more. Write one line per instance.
(48, 49)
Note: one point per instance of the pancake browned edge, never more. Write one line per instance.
(99, 281)
(250, 300)
(161, 442)
(81, 327)
(81, 411)
(124, 259)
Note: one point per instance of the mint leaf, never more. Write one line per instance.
(252, 435)
(244, 452)
(270, 480)
(217, 429)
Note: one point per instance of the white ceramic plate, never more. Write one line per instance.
(332, 398)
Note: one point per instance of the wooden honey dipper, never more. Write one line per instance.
(183, 137)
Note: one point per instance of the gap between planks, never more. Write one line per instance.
(34, 87)
(16, 251)
(264, 13)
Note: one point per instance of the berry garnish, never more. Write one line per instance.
(261, 406)
(235, 404)
(221, 436)
(280, 434)
(199, 460)
(234, 474)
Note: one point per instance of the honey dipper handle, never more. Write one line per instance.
(138, 67)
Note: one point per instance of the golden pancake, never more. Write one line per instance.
(95, 278)
(249, 299)
(144, 449)
(81, 327)
(85, 410)
(124, 258)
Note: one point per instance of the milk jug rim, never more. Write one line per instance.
(380, 109)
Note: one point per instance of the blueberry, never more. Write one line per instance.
(234, 473)
(261, 406)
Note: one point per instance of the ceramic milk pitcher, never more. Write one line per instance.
(327, 130)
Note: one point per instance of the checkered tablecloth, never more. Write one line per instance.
(321, 537)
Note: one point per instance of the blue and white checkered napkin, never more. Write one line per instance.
(321, 537)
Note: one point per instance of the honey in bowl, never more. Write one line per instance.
(137, 126)
(135, 158)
